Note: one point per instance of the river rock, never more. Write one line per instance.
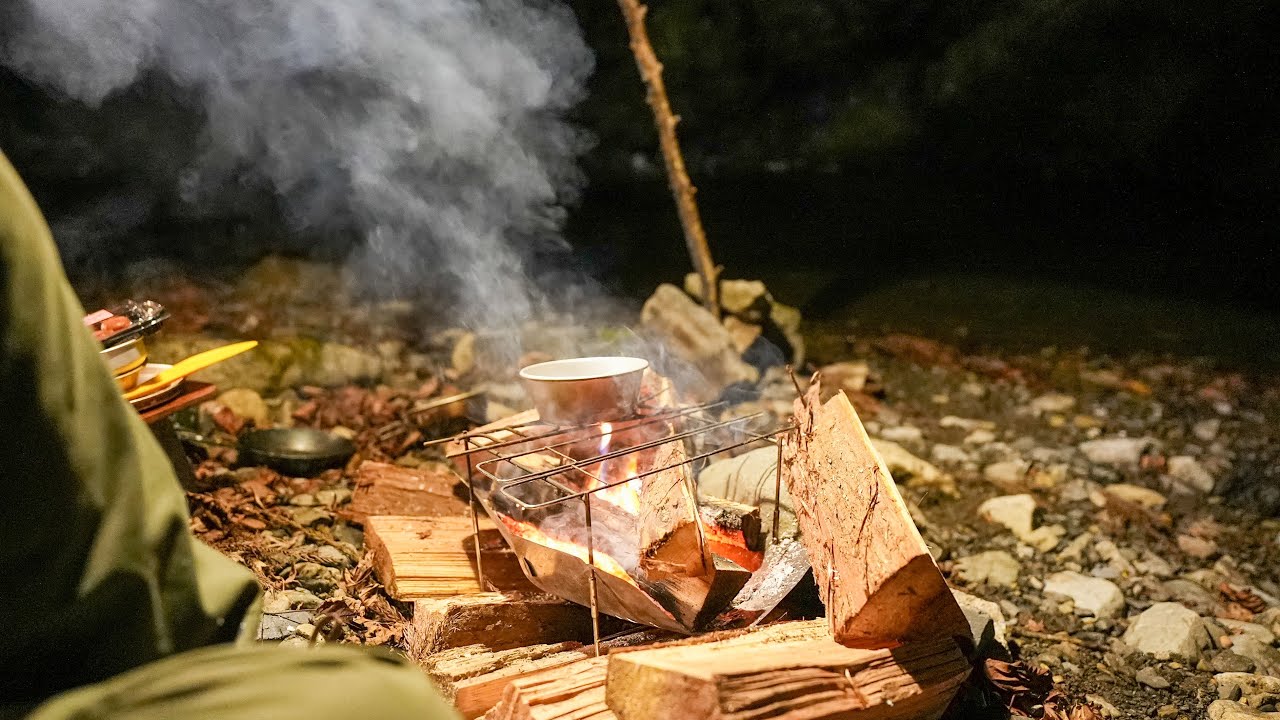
(247, 404)
(1136, 494)
(949, 455)
(903, 435)
(994, 567)
(1167, 629)
(1102, 598)
(1240, 627)
(909, 469)
(986, 623)
(1264, 656)
(1187, 475)
(1152, 679)
(1052, 403)
(1015, 512)
(1255, 690)
(1230, 662)
(317, 578)
(1230, 710)
(1117, 451)
(693, 335)
(1007, 475)
(848, 376)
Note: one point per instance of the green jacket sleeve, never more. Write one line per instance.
(100, 570)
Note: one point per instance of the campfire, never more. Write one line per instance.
(607, 515)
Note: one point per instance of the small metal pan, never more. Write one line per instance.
(296, 452)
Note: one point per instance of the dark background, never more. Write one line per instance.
(1010, 173)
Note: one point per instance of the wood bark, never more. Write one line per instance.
(792, 671)
(875, 574)
(386, 489)
(664, 121)
(418, 558)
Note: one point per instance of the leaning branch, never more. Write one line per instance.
(681, 187)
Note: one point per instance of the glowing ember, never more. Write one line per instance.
(603, 561)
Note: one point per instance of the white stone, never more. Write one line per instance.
(1015, 512)
(906, 434)
(1136, 494)
(907, 468)
(979, 437)
(1254, 689)
(1167, 629)
(1101, 598)
(1116, 451)
(994, 567)
(1052, 403)
(1189, 475)
(1206, 430)
(1006, 475)
(986, 622)
(949, 455)
(969, 424)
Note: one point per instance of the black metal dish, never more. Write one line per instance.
(296, 452)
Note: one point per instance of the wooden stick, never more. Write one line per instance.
(665, 122)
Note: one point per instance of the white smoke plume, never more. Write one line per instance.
(432, 131)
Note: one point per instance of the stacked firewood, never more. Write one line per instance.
(892, 644)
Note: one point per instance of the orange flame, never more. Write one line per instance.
(625, 493)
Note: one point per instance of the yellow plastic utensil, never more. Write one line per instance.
(191, 365)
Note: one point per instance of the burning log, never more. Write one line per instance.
(498, 621)
(419, 558)
(876, 576)
(733, 531)
(671, 539)
(570, 692)
(793, 671)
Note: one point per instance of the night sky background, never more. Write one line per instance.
(843, 145)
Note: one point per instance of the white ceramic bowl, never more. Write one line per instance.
(578, 391)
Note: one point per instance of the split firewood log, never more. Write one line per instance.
(875, 574)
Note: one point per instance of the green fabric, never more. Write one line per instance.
(101, 573)
(230, 683)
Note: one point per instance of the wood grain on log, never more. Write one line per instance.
(875, 574)
(671, 540)
(498, 621)
(793, 671)
(417, 558)
(474, 678)
(569, 692)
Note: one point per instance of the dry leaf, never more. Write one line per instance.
(1023, 687)
(1244, 597)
